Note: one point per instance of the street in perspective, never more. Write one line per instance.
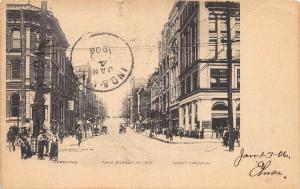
(94, 101)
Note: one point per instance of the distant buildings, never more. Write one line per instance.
(189, 89)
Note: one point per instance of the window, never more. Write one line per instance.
(8, 71)
(195, 42)
(190, 39)
(188, 84)
(182, 87)
(218, 78)
(220, 106)
(15, 70)
(186, 49)
(14, 99)
(16, 39)
(238, 78)
(175, 49)
(37, 40)
(183, 52)
(195, 80)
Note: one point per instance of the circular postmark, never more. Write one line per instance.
(105, 59)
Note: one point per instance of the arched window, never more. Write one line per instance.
(14, 108)
(219, 106)
(16, 39)
(15, 69)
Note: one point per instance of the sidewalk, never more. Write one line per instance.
(72, 141)
(178, 140)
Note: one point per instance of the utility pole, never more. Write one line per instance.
(23, 70)
(84, 103)
(229, 74)
(39, 101)
(18, 118)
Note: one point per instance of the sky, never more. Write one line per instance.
(138, 22)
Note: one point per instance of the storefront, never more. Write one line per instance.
(219, 116)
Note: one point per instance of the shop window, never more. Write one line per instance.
(218, 78)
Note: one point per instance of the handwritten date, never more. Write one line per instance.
(262, 167)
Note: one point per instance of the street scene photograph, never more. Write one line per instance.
(117, 84)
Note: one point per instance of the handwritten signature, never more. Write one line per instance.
(262, 167)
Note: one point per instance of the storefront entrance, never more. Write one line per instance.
(219, 116)
(218, 123)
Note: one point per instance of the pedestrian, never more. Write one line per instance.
(79, 136)
(180, 133)
(171, 135)
(225, 137)
(25, 147)
(236, 134)
(47, 142)
(11, 137)
(24, 131)
(220, 132)
(42, 141)
(166, 133)
(54, 147)
(61, 136)
(202, 133)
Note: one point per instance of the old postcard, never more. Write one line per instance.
(147, 94)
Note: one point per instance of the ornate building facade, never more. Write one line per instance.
(23, 40)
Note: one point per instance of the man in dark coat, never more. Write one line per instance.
(61, 136)
(226, 138)
(25, 147)
(171, 134)
(11, 137)
(54, 147)
(79, 136)
(42, 141)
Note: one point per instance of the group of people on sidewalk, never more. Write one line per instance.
(45, 138)
(169, 133)
(220, 133)
(225, 136)
(20, 137)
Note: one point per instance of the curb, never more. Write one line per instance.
(171, 142)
